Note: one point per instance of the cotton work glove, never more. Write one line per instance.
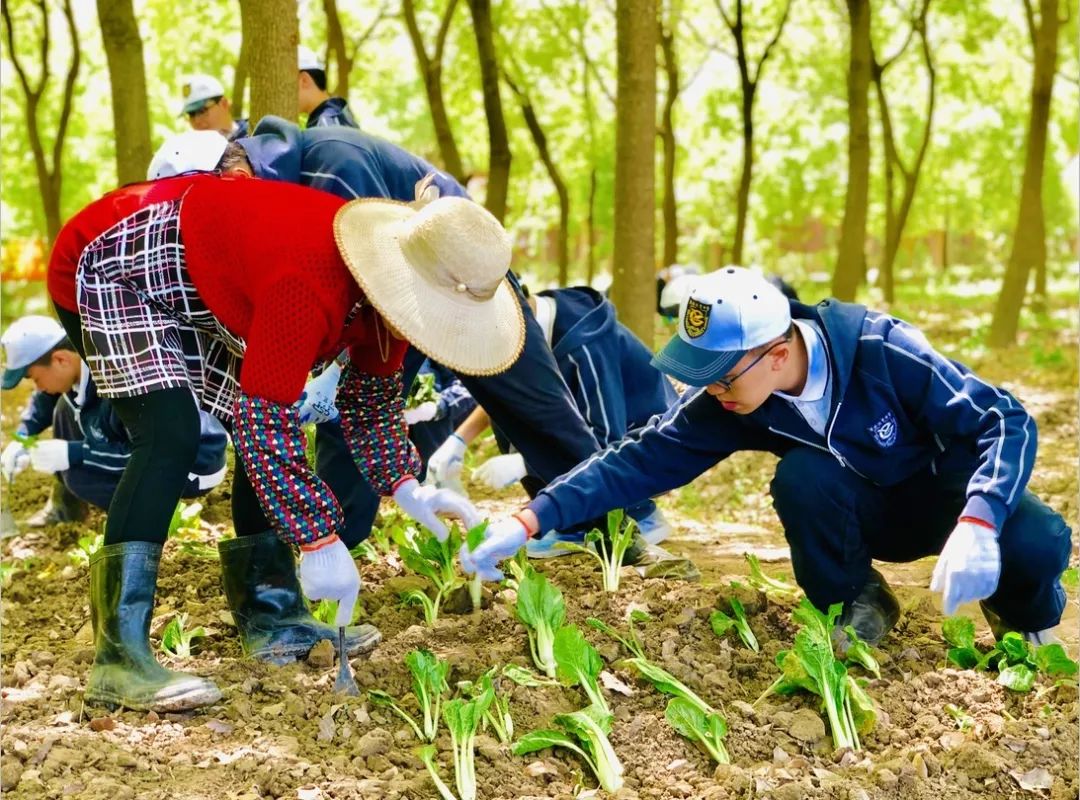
(50, 456)
(969, 566)
(425, 412)
(425, 503)
(316, 403)
(14, 460)
(501, 471)
(502, 540)
(444, 466)
(328, 572)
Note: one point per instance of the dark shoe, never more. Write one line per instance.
(872, 614)
(62, 506)
(1000, 627)
(123, 578)
(275, 624)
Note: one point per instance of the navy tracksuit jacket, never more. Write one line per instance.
(914, 440)
(332, 111)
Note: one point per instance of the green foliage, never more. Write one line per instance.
(631, 641)
(586, 733)
(859, 652)
(428, 682)
(963, 720)
(87, 546)
(578, 664)
(497, 714)
(541, 607)
(608, 550)
(325, 611)
(185, 519)
(668, 683)
(425, 555)
(721, 623)
(476, 584)
(176, 639)
(384, 700)
(422, 391)
(1016, 660)
(426, 754)
(523, 676)
(1070, 578)
(429, 606)
(463, 719)
(762, 582)
(707, 729)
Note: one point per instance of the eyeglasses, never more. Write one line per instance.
(213, 101)
(725, 383)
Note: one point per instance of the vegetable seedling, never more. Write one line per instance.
(632, 641)
(668, 683)
(523, 676)
(176, 640)
(428, 683)
(425, 555)
(608, 550)
(427, 755)
(430, 607)
(1017, 661)
(463, 718)
(326, 612)
(541, 607)
(185, 519)
(859, 652)
(708, 730)
(497, 714)
(586, 733)
(964, 721)
(422, 390)
(721, 623)
(578, 664)
(771, 586)
(88, 545)
(476, 585)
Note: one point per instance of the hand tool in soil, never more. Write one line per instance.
(345, 683)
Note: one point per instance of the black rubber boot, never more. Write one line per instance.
(1000, 627)
(62, 506)
(872, 614)
(275, 625)
(123, 579)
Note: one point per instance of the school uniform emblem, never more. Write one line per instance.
(696, 318)
(884, 430)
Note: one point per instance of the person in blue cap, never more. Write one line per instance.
(888, 451)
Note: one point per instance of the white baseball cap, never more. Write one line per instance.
(190, 151)
(198, 89)
(306, 59)
(725, 314)
(25, 341)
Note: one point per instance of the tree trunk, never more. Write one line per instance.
(1029, 240)
(127, 79)
(667, 138)
(240, 75)
(48, 166)
(431, 72)
(590, 228)
(742, 199)
(274, 31)
(633, 284)
(498, 143)
(850, 262)
(540, 140)
(335, 39)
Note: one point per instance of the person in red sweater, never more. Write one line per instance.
(224, 293)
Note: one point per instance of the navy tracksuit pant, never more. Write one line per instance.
(836, 521)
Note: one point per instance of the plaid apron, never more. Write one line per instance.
(145, 328)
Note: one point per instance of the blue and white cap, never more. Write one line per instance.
(724, 314)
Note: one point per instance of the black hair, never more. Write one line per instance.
(318, 76)
(46, 359)
(233, 157)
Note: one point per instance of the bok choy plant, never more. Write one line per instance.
(463, 718)
(1016, 660)
(708, 730)
(721, 623)
(586, 733)
(578, 664)
(541, 607)
(428, 684)
(608, 550)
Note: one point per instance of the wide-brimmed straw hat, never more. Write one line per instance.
(437, 274)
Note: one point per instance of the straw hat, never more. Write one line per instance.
(437, 274)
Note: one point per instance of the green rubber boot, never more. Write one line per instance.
(123, 579)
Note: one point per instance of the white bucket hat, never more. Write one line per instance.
(438, 276)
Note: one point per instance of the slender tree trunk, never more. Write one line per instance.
(666, 35)
(742, 199)
(274, 30)
(431, 72)
(590, 228)
(335, 40)
(540, 140)
(48, 166)
(127, 79)
(632, 289)
(1029, 240)
(851, 259)
(498, 141)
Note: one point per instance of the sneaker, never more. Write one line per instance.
(654, 528)
(548, 545)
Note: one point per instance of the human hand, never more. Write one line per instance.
(969, 566)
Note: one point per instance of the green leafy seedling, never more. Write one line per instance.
(430, 607)
(708, 730)
(325, 611)
(578, 664)
(584, 732)
(1016, 660)
(176, 640)
(422, 390)
(541, 607)
(463, 719)
(771, 586)
(631, 641)
(426, 754)
(859, 652)
(721, 623)
(608, 550)
(383, 700)
(964, 721)
(497, 714)
(523, 676)
(428, 683)
(87, 546)
(476, 585)
(185, 519)
(667, 683)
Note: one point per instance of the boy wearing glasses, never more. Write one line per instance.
(888, 451)
(207, 108)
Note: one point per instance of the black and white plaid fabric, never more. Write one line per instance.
(145, 327)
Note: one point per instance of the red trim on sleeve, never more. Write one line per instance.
(978, 521)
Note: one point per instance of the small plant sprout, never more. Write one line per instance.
(1017, 661)
(176, 640)
(667, 683)
(427, 754)
(88, 545)
(632, 642)
(425, 555)
(964, 720)
(418, 597)
(721, 623)
(422, 390)
(771, 586)
(497, 714)
(608, 550)
(586, 733)
(476, 585)
(541, 607)
(708, 730)
(523, 676)
(185, 519)
(428, 683)
(578, 664)
(859, 652)
(384, 700)
(7, 570)
(463, 718)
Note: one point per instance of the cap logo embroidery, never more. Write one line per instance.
(696, 318)
(884, 430)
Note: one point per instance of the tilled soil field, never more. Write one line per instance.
(280, 732)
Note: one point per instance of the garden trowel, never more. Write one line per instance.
(345, 683)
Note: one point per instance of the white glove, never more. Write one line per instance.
(328, 572)
(425, 412)
(14, 460)
(425, 503)
(444, 466)
(500, 471)
(502, 540)
(969, 566)
(50, 455)
(316, 404)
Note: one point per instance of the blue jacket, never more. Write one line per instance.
(331, 111)
(605, 366)
(898, 407)
(340, 160)
(106, 444)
